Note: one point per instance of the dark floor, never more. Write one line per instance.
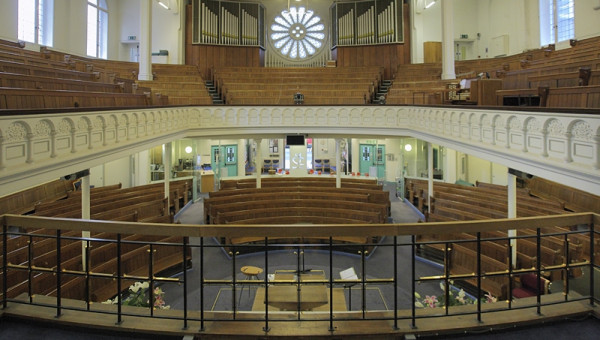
(221, 298)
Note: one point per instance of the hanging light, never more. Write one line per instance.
(408, 147)
(188, 149)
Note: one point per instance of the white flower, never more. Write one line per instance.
(144, 285)
(442, 286)
(419, 304)
(417, 295)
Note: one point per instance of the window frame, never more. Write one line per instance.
(100, 41)
(43, 22)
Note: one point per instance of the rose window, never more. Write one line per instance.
(297, 33)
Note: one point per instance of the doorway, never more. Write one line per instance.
(372, 159)
(224, 160)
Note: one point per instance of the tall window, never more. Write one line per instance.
(36, 21)
(97, 29)
(557, 21)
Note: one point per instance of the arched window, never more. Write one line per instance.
(297, 33)
(97, 29)
(36, 21)
(557, 21)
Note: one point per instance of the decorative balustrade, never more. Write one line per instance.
(41, 147)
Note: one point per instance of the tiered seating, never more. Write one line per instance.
(566, 78)
(171, 84)
(572, 77)
(311, 200)
(452, 202)
(181, 83)
(29, 80)
(143, 203)
(277, 86)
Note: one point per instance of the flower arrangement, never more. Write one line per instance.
(137, 295)
(454, 298)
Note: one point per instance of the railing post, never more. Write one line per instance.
(567, 271)
(395, 282)
(30, 268)
(446, 274)
(331, 329)
(151, 279)
(87, 274)
(510, 273)
(201, 284)
(592, 264)
(266, 327)
(479, 276)
(4, 264)
(234, 299)
(119, 288)
(363, 283)
(538, 269)
(58, 276)
(185, 297)
(413, 281)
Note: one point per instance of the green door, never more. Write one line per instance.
(224, 157)
(372, 156)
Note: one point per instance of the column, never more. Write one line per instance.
(429, 175)
(448, 71)
(145, 59)
(512, 213)
(259, 162)
(167, 150)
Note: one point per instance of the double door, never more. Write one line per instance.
(224, 160)
(372, 160)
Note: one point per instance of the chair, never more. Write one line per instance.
(318, 165)
(266, 165)
(326, 167)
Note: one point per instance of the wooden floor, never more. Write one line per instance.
(371, 329)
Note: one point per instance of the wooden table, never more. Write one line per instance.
(251, 272)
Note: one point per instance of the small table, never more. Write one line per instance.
(251, 273)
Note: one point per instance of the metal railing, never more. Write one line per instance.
(381, 275)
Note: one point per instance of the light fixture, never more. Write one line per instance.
(163, 4)
(408, 147)
(188, 149)
(430, 4)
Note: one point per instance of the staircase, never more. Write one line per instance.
(382, 92)
(212, 91)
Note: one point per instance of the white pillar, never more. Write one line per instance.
(429, 175)
(145, 58)
(512, 213)
(448, 71)
(242, 157)
(167, 150)
(85, 214)
(338, 163)
(259, 162)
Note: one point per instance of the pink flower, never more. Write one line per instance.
(431, 301)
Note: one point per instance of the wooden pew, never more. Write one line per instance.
(464, 261)
(38, 99)
(314, 203)
(235, 216)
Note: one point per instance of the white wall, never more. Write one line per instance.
(8, 20)
(587, 19)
